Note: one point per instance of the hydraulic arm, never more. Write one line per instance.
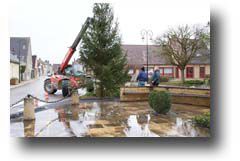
(72, 49)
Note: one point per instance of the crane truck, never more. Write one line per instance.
(68, 77)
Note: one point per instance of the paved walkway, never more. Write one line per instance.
(23, 83)
(34, 87)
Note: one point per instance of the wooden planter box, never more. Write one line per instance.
(180, 95)
(13, 81)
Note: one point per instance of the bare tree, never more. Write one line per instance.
(180, 45)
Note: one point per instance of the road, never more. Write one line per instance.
(35, 88)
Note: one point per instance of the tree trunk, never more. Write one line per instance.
(182, 76)
(101, 91)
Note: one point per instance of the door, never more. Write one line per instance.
(202, 72)
(177, 72)
(190, 72)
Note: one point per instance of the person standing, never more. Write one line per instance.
(135, 75)
(142, 77)
(156, 77)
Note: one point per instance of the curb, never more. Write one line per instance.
(24, 83)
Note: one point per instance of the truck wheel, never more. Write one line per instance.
(65, 88)
(48, 87)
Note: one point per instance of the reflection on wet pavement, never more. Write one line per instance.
(137, 128)
(111, 119)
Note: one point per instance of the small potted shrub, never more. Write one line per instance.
(13, 81)
(160, 101)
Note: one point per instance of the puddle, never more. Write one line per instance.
(111, 119)
(136, 128)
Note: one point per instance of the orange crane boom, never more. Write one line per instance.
(73, 47)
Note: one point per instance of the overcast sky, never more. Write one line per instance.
(54, 24)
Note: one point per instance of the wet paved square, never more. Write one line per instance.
(111, 119)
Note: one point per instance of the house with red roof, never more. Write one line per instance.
(198, 68)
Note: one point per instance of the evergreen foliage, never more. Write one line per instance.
(101, 51)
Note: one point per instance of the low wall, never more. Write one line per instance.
(181, 95)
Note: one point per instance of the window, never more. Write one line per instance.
(202, 72)
(166, 71)
(161, 71)
(190, 72)
(130, 71)
(77, 70)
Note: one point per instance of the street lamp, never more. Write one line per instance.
(147, 34)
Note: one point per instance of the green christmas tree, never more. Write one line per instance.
(101, 51)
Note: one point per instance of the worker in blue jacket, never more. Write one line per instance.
(156, 77)
(142, 77)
